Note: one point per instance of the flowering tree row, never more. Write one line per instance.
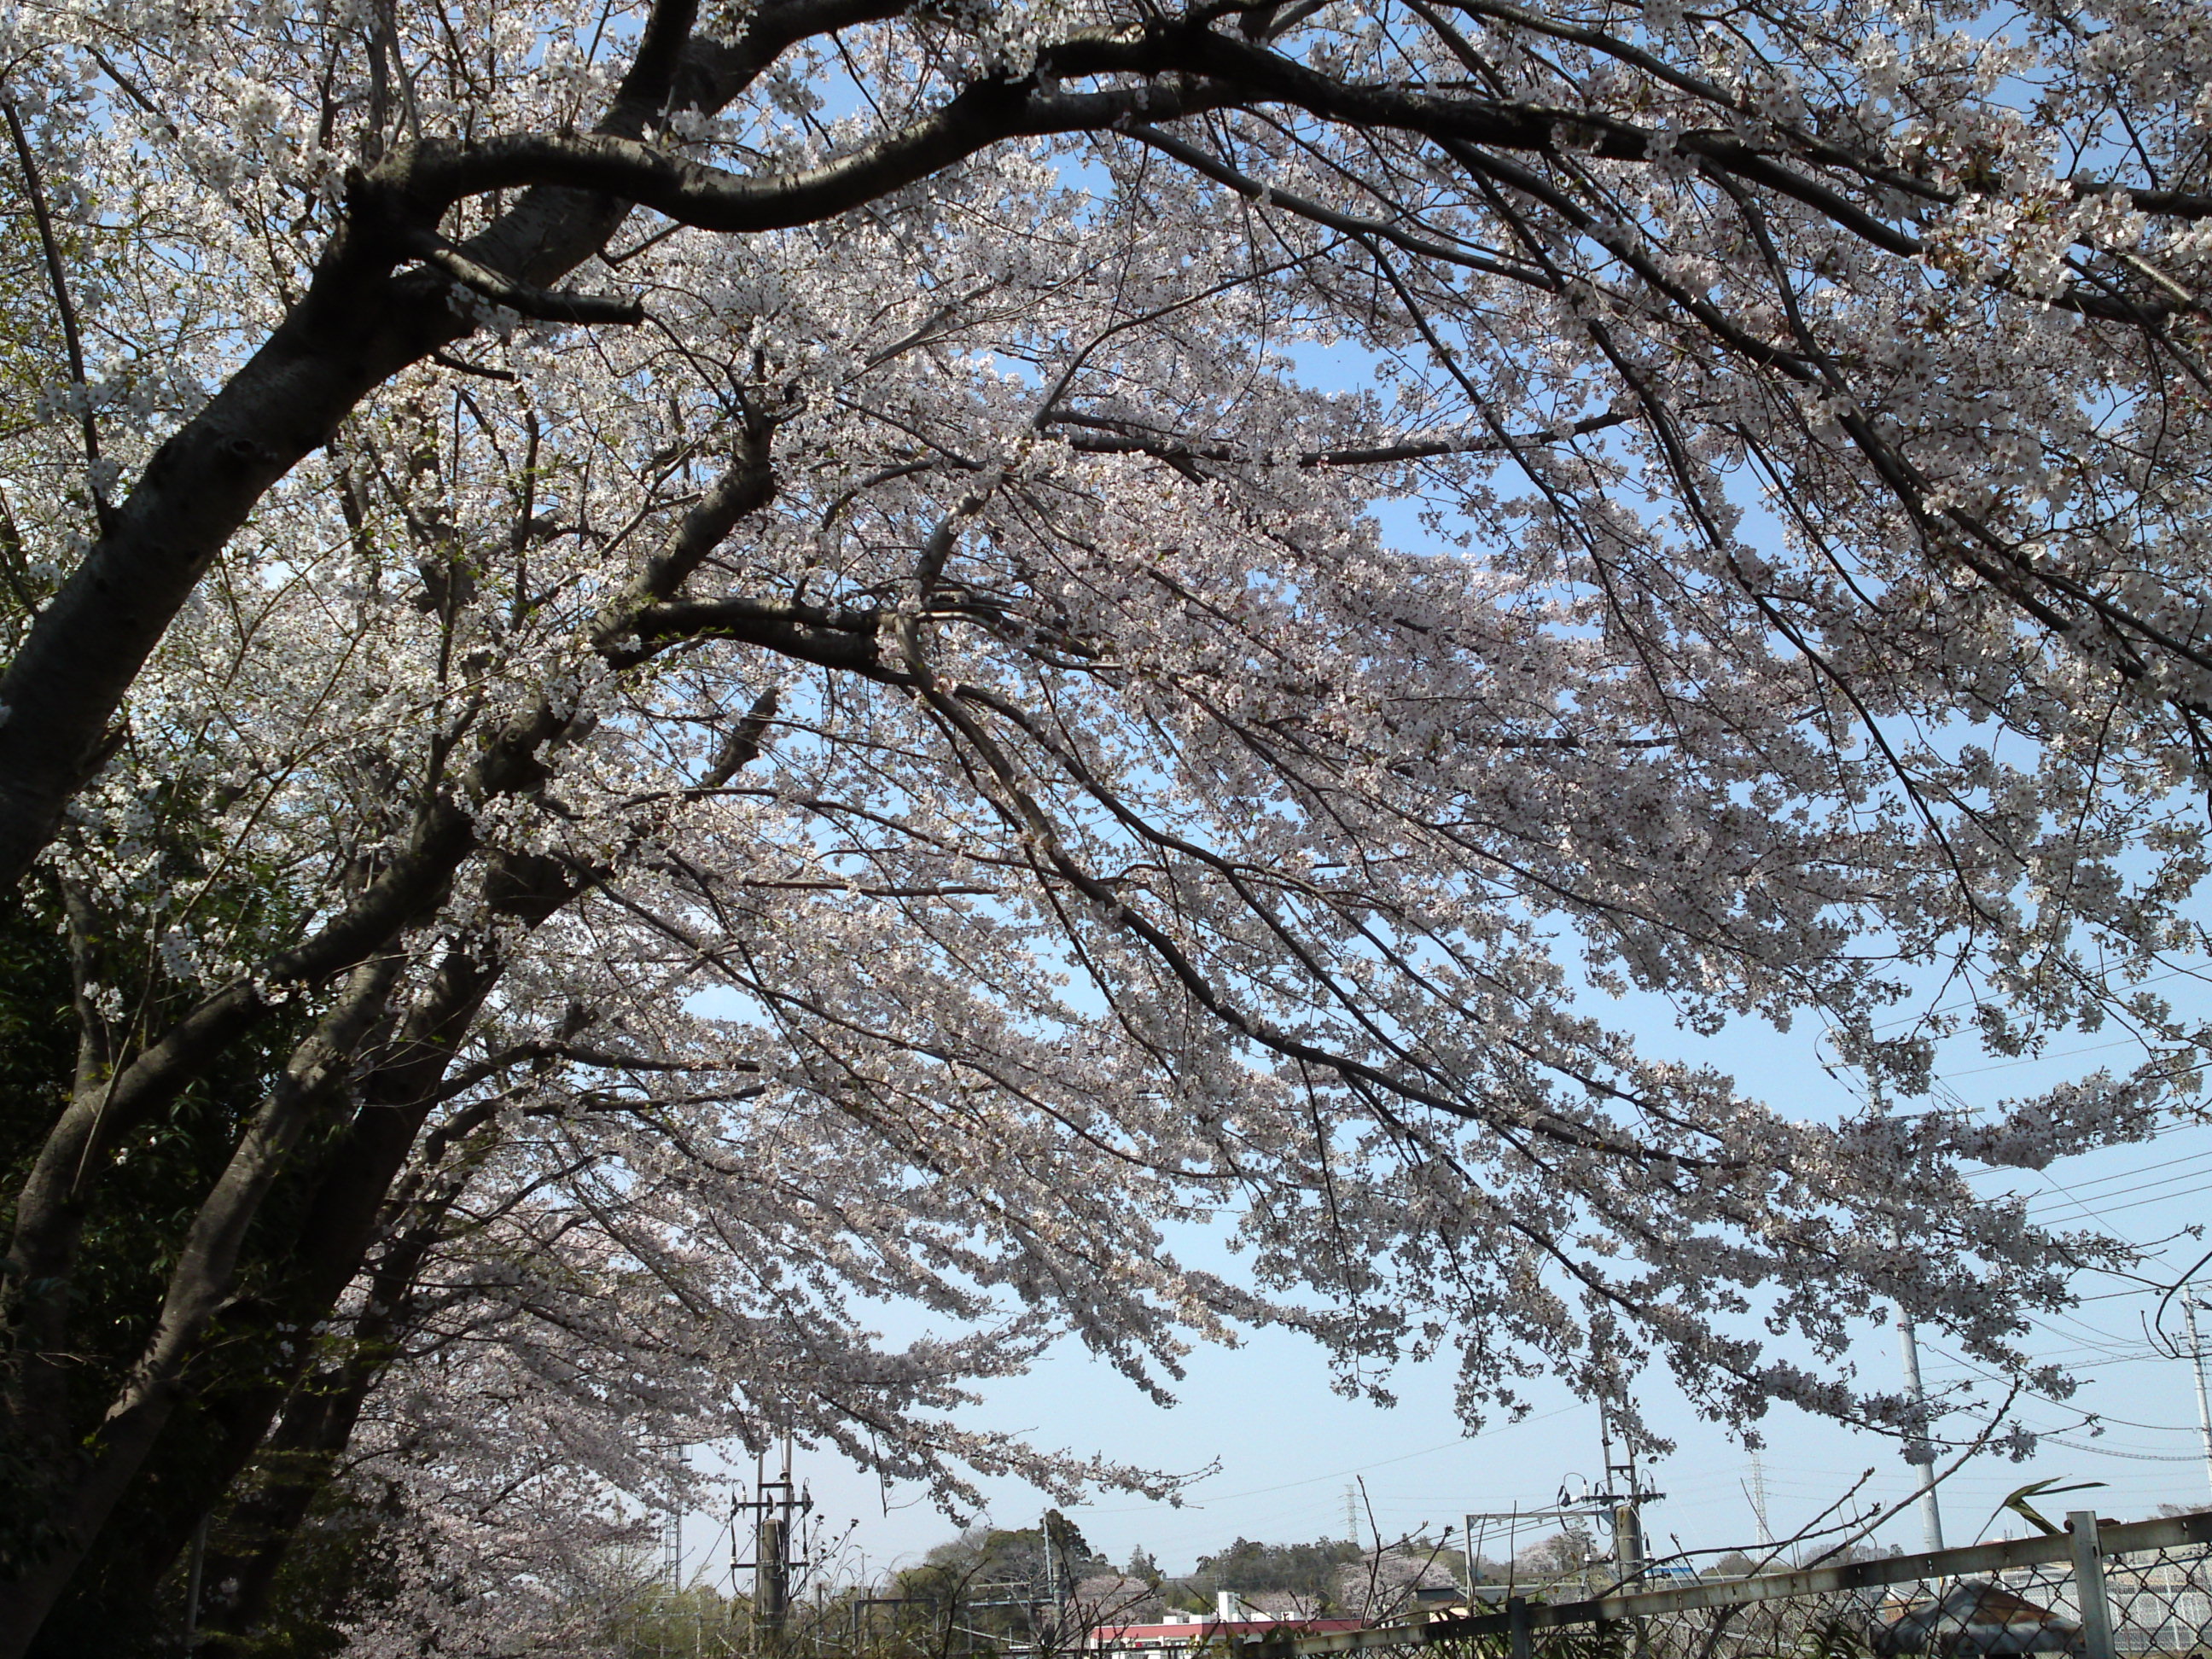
(676, 676)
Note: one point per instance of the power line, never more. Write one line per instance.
(2141, 1186)
(2114, 1451)
(1339, 1475)
(2062, 1405)
(1974, 1000)
(2162, 1198)
(1975, 1172)
(2090, 1186)
(2039, 1060)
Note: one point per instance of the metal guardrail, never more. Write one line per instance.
(1522, 1616)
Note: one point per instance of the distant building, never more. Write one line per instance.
(1233, 1620)
(1194, 1633)
(2159, 1606)
(1973, 1618)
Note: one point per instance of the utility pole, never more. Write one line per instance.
(1350, 1513)
(1624, 1491)
(1917, 1450)
(2196, 1359)
(777, 1510)
(772, 1555)
(196, 1565)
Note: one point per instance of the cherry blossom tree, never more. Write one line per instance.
(673, 674)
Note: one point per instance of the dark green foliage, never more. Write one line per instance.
(1611, 1639)
(138, 1217)
(345, 1556)
(1834, 1638)
(1006, 1563)
(38, 1055)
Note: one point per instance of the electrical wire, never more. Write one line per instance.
(2203, 972)
(2038, 1060)
(2062, 1405)
(1975, 1172)
(1339, 1474)
(2090, 1188)
(2132, 1456)
(2144, 1186)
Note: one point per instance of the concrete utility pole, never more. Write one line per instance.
(2197, 1360)
(1628, 1538)
(1051, 1562)
(1627, 1497)
(196, 1565)
(777, 1510)
(772, 1550)
(1917, 1451)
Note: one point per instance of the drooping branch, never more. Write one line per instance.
(1422, 241)
(359, 324)
(34, 192)
(843, 640)
(426, 178)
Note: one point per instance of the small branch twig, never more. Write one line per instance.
(447, 360)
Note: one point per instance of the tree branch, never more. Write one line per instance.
(423, 179)
(845, 639)
(356, 326)
(1114, 438)
(540, 304)
(747, 487)
(35, 193)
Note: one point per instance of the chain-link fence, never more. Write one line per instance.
(2101, 1590)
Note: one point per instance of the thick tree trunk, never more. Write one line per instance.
(66, 683)
(298, 1459)
(342, 1221)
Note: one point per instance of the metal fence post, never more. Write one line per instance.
(2089, 1585)
(1516, 1619)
